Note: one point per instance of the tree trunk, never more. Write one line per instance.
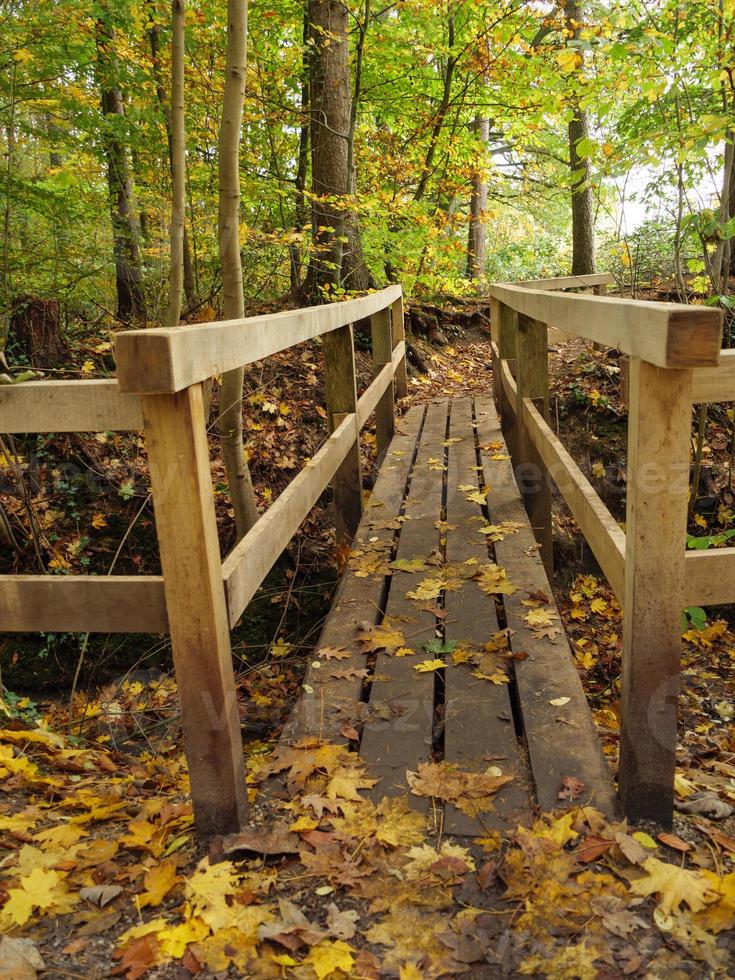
(478, 204)
(35, 324)
(301, 217)
(230, 406)
(330, 126)
(153, 37)
(583, 204)
(128, 270)
(178, 163)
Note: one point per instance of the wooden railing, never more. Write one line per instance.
(198, 598)
(674, 361)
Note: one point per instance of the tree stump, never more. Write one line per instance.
(35, 325)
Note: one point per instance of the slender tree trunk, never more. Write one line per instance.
(583, 203)
(128, 270)
(178, 163)
(301, 216)
(153, 36)
(440, 116)
(10, 163)
(330, 125)
(230, 419)
(355, 274)
(478, 205)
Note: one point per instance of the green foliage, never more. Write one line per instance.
(651, 78)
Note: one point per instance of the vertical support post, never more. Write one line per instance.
(178, 455)
(398, 331)
(341, 387)
(532, 379)
(659, 427)
(380, 330)
(504, 329)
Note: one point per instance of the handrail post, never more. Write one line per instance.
(178, 456)
(398, 331)
(532, 379)
(380, 328)
(503, 328)
(341, 391)
(659, 427)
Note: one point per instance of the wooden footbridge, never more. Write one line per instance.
(452, 549)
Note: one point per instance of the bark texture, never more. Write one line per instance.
(337, 257)
(128, 271)
(478, 205)
(230, 407)
(178, 164)
(153, 36)
(583, 202)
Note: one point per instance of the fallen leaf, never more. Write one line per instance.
(100, 895)
(269, 840)
(19, 959)
(673, 886)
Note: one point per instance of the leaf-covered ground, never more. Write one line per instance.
(100, 873)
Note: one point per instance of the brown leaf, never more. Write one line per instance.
(349, 673)
(100, 895)
(674, 842)
(725, 842)
(137, 957)
(592, 847)
(487, 875)
(571, 788)
(332, 653)
(273, 840)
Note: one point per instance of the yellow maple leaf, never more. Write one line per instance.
(493, 580)
(426, 666)
(568, 963)
(329, 956)
(430, 588)
(227, 947)
(479, 496)
(673, 885)
(384, 637)
(345, 782)
(499, 532)
(540, 617)
(42, 889)
(398, 825)
(158, 881)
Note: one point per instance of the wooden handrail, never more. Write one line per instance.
(568, 282)
(673, 363)
(169, 359)
(82, 604)
(69, 406)
(197, 599)
(665, 334)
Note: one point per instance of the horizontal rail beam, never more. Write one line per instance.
(68, 406)
(709, 577)
(715, 384)
(568, 282)
(507, 380)
(82, 604)
(664, 334)
(169, 359)
(244, 569)
(604, 536)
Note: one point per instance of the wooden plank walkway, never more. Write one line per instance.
(424, 519)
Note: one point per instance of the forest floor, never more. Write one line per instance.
(101, 874)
